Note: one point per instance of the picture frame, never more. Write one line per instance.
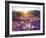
(19, 9)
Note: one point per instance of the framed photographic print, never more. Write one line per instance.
(24, 18)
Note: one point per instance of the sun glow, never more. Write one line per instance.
(25, 13)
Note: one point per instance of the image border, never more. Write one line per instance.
(7, 18)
